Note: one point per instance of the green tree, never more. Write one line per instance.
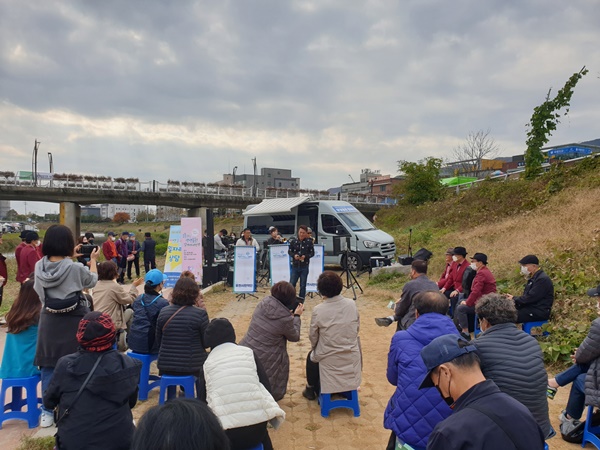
(144, 216)
(422, 181)
(543, 122)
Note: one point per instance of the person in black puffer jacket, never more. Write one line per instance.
(180, 335)
(142, 331)
(101, 417)
(512, 358)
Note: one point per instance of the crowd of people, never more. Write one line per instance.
(495, 383)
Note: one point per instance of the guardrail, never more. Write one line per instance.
(186, 188)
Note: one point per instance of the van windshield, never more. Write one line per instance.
(356, 221)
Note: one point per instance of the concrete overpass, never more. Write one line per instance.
(196, 198)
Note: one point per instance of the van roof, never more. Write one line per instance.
(276, 205)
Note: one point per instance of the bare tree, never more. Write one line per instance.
(478, 146)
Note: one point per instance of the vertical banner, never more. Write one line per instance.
(244, 269)
(191, 246)
(279, 263)
(173, 261)
(316, 266)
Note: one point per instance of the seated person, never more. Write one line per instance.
(180, 332)
(180, 424)
(334, 364)
(446, 273)
(21, 335)
(237, 389)
(512, 358)
(536, 302)
(142, 331)
(101, 415)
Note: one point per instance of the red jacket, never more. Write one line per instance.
(444, 277)
(18, 251)
(109, 249)
(3, 271)
(455, 277)
(483, 283)
(29, 256)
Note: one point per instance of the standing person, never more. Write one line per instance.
(482, 417)
(133, 249)
(59, 282)
(446, 273)
(21, 334)
(273, 324)
(149, 250)
(247, 239)
(109, 250)
(20, 247)
(301, 250)
(146, 308)
(483, 283)
(180, 335)
(100, 417)
(3, 272)
(411, 413)
(122, 252)
(334, 363)
(512, 358)
(454, 286)
(404, 312)
(112, 298)
(536, 302)
(90, 237)
(218, 245)
(29, 256)
(244, 416)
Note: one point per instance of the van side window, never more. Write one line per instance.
(330, 223)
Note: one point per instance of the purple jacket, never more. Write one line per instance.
(412, 413)
(122, 251)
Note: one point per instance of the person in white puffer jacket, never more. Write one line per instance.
(237, 389)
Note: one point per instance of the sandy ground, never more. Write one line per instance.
(304, 428)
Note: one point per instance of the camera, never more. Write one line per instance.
(87, 249)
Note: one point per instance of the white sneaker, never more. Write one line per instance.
(47, 419)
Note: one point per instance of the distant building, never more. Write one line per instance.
(92, 211)
(108, 211)
(364, 185)
(169, 213)
(384, 184)
(268, 178)
(4, 208)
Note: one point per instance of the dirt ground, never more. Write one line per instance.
(304, 428)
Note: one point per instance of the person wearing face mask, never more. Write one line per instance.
(453, 288)
(483, 283)
(536, 302)
(109, 249)
(29, 256)
(122, 253)
(483, 417)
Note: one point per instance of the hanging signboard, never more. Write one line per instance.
(279, 263)
(244, 269)
(316, 266)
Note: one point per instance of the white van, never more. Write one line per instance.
(335, 224)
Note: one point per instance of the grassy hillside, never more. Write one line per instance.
(556, 217)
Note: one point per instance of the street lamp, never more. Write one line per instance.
(234, 171)
(51, 162)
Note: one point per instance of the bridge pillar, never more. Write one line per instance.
(70, 216)
(198, 212)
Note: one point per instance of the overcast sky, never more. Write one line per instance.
(187, 90)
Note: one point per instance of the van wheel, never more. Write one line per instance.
(354, 262)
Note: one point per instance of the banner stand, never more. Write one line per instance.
(244, 271)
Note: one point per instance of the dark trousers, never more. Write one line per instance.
(1, 292)
(149, 264)
(462, 315)
(313, 378)
(122, 265)
(135, 262)
(529, 314)
(299, 273)
(392, 443)
(249, 437)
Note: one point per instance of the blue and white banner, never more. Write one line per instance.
(279, 263)
(174, 256)
(244, 269)
(315, 268)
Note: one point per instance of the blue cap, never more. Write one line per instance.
(441, 350)
(155, 277)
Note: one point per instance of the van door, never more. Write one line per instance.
(332, 236)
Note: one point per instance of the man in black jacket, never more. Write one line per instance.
(483, 416)
(301, 250)
(536, 302)
(149, 250)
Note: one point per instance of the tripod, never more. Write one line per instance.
(351, 280)
(264, 271)
(240, 296)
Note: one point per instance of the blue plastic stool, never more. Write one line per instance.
(350, 401)
(147, 381)
(546, 446)
(476, 329)
(13, 410)
(527, 326)
(591, 432)
(258, 447)
(169, 383)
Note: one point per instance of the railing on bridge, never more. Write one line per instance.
(186, 188)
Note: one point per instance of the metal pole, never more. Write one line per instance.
(35, 154)
(51, 162)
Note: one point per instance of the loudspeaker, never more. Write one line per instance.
(223, 270)
(210, 275)
(230, 278)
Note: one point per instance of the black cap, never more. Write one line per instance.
(594, 292)
(460, 251)
(23, 234)
(31, 236)
(481, 257)
(529, 259)
(219, 331)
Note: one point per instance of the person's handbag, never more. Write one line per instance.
(63, 305)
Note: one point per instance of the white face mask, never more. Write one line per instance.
(454, 258)
(524, 270)
(474, 266)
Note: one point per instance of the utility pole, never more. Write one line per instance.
(34, 162)
(254, 178)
